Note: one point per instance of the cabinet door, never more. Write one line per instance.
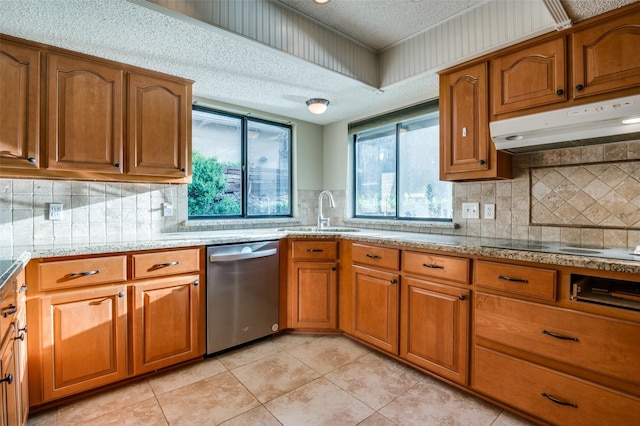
(83, 340)
(435, 328)
(313, 299)
(159, 126)
(19, 106)
(530, 77)
(376, 307)
(466, 151)
(605, 56)
(22, 375)
(165, 322)
(85, 113)
(8, 385)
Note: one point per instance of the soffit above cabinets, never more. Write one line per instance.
(265, 55)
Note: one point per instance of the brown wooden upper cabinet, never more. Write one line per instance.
(605, 56)
(85, 115)
(466, 149)
(529, 77)
(159, 126)
(19, 105)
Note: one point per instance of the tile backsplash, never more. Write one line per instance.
(95, 212)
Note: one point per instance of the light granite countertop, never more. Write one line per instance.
(445, 243)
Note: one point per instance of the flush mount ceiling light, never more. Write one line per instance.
(632, 120)
(321, 1)
(317, 105)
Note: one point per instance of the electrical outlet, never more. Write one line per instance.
(471, 210)
(167, 209)
(490, 211)
(55, 211)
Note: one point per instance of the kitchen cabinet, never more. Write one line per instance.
(159, 126)
(12, 373)
(99, 319)
(376, 295)
(605, 58)
(8, 383)
(21, 354)
(435, 315)
(529, 77)
(19, 105)
(83, 340)
(101, 120)
(466, 149)
(84, 115)
(313, 285)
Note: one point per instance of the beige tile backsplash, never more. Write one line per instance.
(588, 195)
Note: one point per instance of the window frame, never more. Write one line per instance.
(396, 118)
(244, 168)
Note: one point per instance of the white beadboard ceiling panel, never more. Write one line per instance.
(284, 29)
(479, 30)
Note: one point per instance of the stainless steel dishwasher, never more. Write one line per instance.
(242, 293)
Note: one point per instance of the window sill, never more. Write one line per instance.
(425, 227)
(229, 224)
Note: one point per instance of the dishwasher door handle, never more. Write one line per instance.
(241, 256)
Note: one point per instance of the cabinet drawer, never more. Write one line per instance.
(434, 266)
(524, 280)
(592, 342)
(314, 250)
(532, 388)
(381, 257)
(159, 264)
(81, 272)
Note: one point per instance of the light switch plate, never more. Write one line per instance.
(55, 211)
(471, 210)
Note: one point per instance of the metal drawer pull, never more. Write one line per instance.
(558, 401)
(8, 378)
(393, 281)
(85, 273)
(164, 265)
(559, 336)
(515, 280)
(25, 328)
(121, 294)
(23, 288)
(9, 310)
(20, 337)
(373, 256)
(315, 250)
(429, 265)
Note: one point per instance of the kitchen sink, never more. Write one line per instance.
(316, 229)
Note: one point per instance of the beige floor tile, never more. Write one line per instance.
(275, 375)
(318, 403)
(288, 341)
(246, 354)
(509, 419)
(327, 353)
(258, 416)
(44, 418)
(433, 403)
(186, 375)
(145, 413)
(377, 419)
(374, 379)
(106, 402)
(207, 402)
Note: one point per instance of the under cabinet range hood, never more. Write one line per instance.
(596, 123)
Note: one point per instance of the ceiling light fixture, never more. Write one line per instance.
(632, 120)
(321, 1)
(317, 105)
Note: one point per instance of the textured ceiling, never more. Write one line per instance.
(232, 69)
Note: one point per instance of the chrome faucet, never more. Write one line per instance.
(323, 222)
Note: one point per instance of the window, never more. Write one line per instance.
(397, 167)
(241, 166)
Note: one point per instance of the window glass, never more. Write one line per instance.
(397, 171)
(241, 167)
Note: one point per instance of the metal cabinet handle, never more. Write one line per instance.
(312, 250)
(432, 266)
(373, 256)
(31, 159)
(164, 265)
(8, 378)
(20, 337)
(515, 280)
(23, 288)
(393, 281)
(117, 165)
(25, 329)
(481, 162)
(559, 336)
(196, 283)
(121, 294)
(334, 269)
(559, 92)
(579, 87)
(85, 273)
(558, 401)
(462, 297)
(9, 310)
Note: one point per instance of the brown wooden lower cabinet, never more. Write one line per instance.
(164, 318)
(84, 336)
(549, 395)
(314, 298)
(434, 332)
(8, 387)
(375, 309)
